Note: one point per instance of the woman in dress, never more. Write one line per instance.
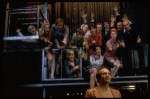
(111, 47)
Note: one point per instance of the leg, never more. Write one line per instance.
(92, 82)
(114, 70)
(93, 79)
(53, 67)
(50, 59)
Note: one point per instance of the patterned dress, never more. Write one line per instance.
(111, 54)
(96, 62)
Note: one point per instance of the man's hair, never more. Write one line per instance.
(79, 31)
(59, 20)
(106, 21)
(99, 24)
(98, 74)
(92, 26)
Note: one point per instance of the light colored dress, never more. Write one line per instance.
(96, 62)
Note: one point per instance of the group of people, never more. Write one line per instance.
(109, 44)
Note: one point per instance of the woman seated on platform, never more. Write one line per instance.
(111, 47)
(96, 60)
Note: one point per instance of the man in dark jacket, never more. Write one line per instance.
(132, 40)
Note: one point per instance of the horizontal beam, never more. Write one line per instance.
(21, 9)
(31, 23)
(21, 38)
(28, 18)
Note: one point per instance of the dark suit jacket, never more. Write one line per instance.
(93, 93)
(130, 38)
(104, 40)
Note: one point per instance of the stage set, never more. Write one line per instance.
(34, 66)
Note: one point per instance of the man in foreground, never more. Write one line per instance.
(103, 90)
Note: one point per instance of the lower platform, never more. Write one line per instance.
(129, 86)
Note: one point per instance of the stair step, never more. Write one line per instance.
(28, 18)
(23, 12)
(31, 23)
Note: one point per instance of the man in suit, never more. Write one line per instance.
(105, 35)
(132, 40)
(103, 90)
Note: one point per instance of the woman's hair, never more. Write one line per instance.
(97, 45)
(68, 52)
(41, 32)
(113, 29)
(98, 74)
(59, 20)
(84, 25)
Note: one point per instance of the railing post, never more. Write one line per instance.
(45, 10)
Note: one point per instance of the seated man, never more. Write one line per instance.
(79, 40)
(61, 33)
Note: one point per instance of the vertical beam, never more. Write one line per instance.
(45, 9)
(42, 64)
(38, 21)
(6, 20)
(79, 13)
(44, 92)
(81, 61)
(56, 10)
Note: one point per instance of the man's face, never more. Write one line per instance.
(106, 25)
(119, 26)
(126, 25)
(93, 31)
(99, 28)
(105, 76)
(85, 28)
(60, 26)
(46, 29)
(79, 36)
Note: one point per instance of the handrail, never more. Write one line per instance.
(17, 11)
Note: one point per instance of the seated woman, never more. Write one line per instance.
(72, 67)
(111, 46)
(96, 61)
